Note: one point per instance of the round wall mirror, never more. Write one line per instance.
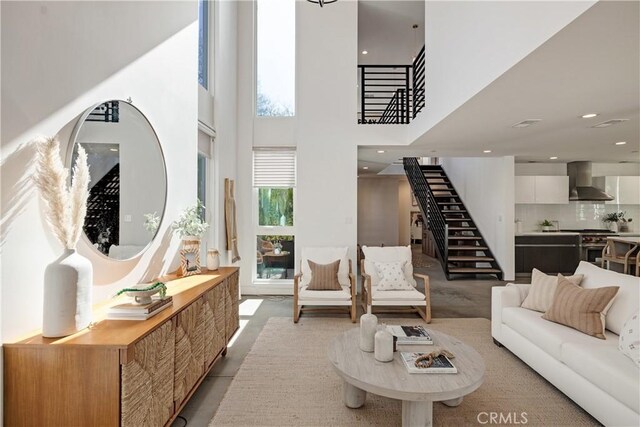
(128, 187)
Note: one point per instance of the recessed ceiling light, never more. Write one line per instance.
(553, 158)
(621, 143)
(366, 167)
(589, 115)
(380, 151)
(113, 149)
(486, 151)
(364, 52)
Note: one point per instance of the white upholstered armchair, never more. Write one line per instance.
(305, 300)
(380, 289)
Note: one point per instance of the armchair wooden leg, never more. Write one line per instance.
(353, 310)
(296, 313)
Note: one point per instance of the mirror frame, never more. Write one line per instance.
(69, 157)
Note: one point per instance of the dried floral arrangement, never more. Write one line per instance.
(65, 207)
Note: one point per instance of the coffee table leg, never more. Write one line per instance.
(416, 414)
(453, 402)
(353, 397)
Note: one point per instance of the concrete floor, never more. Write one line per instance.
(459, 298)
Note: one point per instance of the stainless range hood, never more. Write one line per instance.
(581, 187)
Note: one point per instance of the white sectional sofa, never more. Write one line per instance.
(591, 371)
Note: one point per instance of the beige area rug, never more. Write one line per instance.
(287, 380)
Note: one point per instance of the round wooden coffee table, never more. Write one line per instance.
(363, 374)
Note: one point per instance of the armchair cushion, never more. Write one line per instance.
(324, 277)
(411, 295)
(325, 255)
(392, 276)
(342, 295)
(387, 254)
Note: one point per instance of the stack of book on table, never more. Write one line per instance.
(132, 311)
(410, 335)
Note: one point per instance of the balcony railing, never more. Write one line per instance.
(392, 94)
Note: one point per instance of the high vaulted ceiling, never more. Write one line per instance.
(590, 66)
(385, 31)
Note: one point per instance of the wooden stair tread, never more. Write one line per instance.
(462, 228)
(453, 211)
(473, 270)
(464, 238)
(450, 196)
(470, 258)
(458, 219)
(449, 203)
(467, 248)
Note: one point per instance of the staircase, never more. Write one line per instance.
(461, 248)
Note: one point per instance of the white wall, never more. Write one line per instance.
(59, 58)
(471, 43)
(405, 207)
(225, 116)
(487, 190)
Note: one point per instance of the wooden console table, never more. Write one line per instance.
(124, 373)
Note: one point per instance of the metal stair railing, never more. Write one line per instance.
(433, 218)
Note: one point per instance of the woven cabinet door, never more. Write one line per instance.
(147, 380)
(189, 365)
(214, 323)
(232, 309)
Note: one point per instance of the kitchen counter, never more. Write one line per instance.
(548, 233)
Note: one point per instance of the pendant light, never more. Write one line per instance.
(322, 2)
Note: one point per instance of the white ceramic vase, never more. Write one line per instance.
(213, 259)
(368, 326)
(68, 283)
(384, 345)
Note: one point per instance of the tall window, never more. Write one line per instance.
(203, 43)
(274, 180)
(276, 33)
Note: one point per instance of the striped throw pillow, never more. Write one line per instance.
(581, 309)
(543, 288)
(324, 277)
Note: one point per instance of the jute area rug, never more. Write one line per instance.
(287, 380)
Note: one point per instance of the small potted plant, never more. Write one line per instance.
(546, 225)
(612, 219)
(190, 226)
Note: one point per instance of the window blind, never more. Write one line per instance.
(274, 168)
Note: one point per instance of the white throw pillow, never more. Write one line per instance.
(629, 342)
(387, 254)
(543, 288)
(392, 276)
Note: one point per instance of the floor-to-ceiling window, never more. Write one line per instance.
(275, 58)
(274, 180)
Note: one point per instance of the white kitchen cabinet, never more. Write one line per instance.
(552, 189)
(542, 189)
(625, 189)
(525, 187)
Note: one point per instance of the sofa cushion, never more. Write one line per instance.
(341, 295)
(543, 288)
(324, 277)
(579, 308)
(411, 295)
(629, 343)
(626, 302)
(602, 364)
(547, 335)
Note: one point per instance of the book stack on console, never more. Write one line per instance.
(132, 311)
(411, 335)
